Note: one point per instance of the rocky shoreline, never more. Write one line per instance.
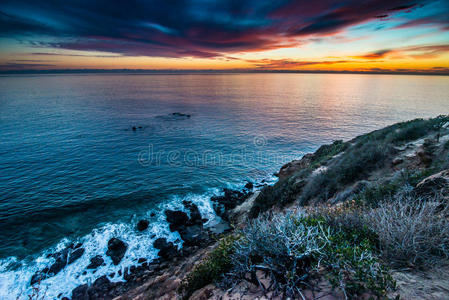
(188, 223)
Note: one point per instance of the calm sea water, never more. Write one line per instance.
(73, 169)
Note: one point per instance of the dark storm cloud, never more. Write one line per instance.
(183, 28)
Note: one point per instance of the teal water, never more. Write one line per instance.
(73, 169)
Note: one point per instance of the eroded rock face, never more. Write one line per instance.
(295, 166)
(434, 184)
(116, 250)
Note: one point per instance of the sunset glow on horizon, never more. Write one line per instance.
(362, 36)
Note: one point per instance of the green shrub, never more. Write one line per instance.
(373, 195)
(211, 268)
(292, 250)
(281, 193)
(326, 152)
(404, 131)
(355, 164)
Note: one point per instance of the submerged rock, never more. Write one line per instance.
(142, 225)
(116, 250)
(178, 114)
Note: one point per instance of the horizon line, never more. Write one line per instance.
(209, 71)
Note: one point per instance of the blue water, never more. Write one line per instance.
(73, 169)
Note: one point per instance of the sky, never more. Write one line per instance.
(267, 35)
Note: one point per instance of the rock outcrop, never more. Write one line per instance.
(116, 250)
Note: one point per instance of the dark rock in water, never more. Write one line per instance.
(195, 215)
(176, 219)
(249, 186)
(178, 114)
(142, 225)
(37, 277)
(228, 201)
(141, 260)
(166, 249)
(75, 255)
(80, 292)
(116, 250)
(134, 128)
(95, 262)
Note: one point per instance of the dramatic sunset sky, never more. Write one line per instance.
(328, 35)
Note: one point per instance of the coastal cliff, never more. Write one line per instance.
(365, 218)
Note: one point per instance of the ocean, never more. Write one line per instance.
(83, 157)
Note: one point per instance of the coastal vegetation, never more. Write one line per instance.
(351, 215)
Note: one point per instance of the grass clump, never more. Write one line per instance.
(413, 230)
(211, 269)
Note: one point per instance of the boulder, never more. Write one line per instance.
(397, 161)
(80, 292)
(116, 250)
(75, 254)
(424, 157)
(176, 219)
(192, 235)
(166, 249)
(95, 262)
(435, 184)
(249, 186)
(195, 215)
(142, 225)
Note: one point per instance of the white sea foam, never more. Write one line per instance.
(15, 275)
